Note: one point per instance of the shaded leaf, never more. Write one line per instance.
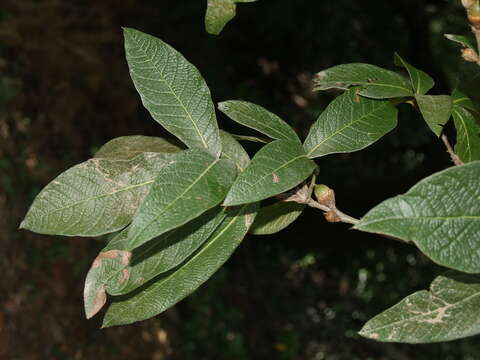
(219, 13)
(274, 218)
(461, 100)
(233, 151)
(172, 287)
(436, 110)
(350, 123)
(258, 118)
(277, 167)
(127, 147)
(467, 146)
(447, 312)
(465, 41)
(440, 214)
(421, 81)
(376, 82)
(186, 188)
(96, 197)
(172, 90)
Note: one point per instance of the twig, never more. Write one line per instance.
(336, 215)
(455, 159)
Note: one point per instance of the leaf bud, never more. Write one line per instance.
(325, 195)
(331, 216)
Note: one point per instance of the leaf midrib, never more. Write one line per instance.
(155, 65)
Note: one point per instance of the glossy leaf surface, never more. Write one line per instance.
(448, 311)
(193, 183)
(350, 123)
(96, 197)
(277, 167)
(375, 81)
(172, 287)
(172, 90)
(258, 118)
(440, 214)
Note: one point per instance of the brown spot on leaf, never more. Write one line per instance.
(276, 179)
(126, 256)
(111, 254)
(125, 276)
(98, 302)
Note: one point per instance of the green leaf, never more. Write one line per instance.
(127, 147)
(233, 151)
(421, 81)
(440, 214)
(376, 82)
(96, 197)
(258, 118)
(277, 167)
(468, 134)
(172, 287)
(172, 90)
(459, 99)
(274, 218)
(117, 271)
(186, 188)
(465, 41)
(219, 13)
(350, 123)
(448, 311)
(436, 110)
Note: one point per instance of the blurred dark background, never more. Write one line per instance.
(301, 294)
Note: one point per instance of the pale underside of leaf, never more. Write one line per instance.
(173, 91)
(94, 198)
(375, 82)
(277, 167)
(350, 123)
(194, 183)
(169, 289)
(448, 311)
(440, 214)
(127, 147)
(258, 118)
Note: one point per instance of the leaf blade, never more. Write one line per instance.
(127, 147)
(440, 214)
(421, 81)
(277, 167)
(258, 118)
(192, 184)
(436, 110)
(348, 124)
(233, 151)
(467, 146)
(172, 90)
(276, 217)
(178, 284)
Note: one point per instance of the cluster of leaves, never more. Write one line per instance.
(177, 214)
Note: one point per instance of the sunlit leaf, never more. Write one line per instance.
(440, 214)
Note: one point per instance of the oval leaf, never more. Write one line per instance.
(127, 147)
(186, 188)
(376, 82)
(219, 13)
(233, 151)
(258, 118)
(96, 197)
(274, 218)
(421, 81)
(350, 123)
(169, 289)
(277, 167)
(467, 146)
(172, 90)
(436, 110)
(447, 312)
(440, 214)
